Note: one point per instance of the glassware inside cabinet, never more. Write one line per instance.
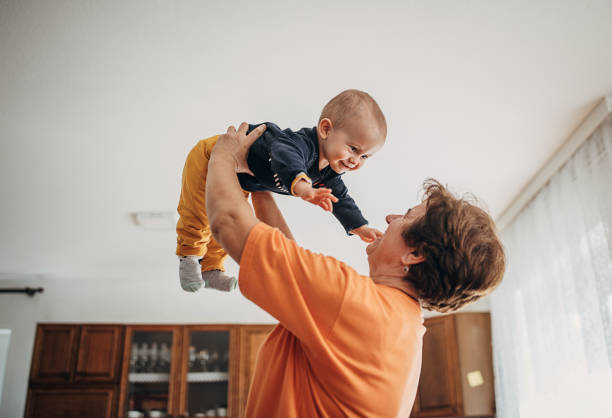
(149, 373)
(208, 373)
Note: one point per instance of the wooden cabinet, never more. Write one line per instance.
(107, 370)
(99, 353)
(54, 353)
(71, 403)
(251, 339)
(90, 370)
(457, 371)
(75, 371)
(67, 353)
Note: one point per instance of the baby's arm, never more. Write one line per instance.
(349, 215)
(321, 197)
(290, 156)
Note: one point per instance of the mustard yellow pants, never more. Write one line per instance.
(193, 230)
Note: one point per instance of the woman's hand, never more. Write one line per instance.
(234, 145)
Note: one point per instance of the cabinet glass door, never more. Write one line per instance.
(208, 358)
(149, 374)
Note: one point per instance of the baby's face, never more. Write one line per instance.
(347, 148)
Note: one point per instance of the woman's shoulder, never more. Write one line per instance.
(377, 311)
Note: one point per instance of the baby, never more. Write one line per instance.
(307, 163)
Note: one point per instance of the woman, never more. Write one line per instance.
(347, 345)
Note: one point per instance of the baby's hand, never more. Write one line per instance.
(321, 197)
(367, 234)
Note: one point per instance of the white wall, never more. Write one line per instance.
(128, 87)
(108, 301)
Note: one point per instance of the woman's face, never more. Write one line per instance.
(386, 253)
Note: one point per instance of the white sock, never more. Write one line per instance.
(216, 279)
(190, 273)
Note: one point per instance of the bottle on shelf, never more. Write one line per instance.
(215, 365)
(165, 356)
(154, 358)
(134, 358)
(143, 358)
(192, 358)
(203, 360)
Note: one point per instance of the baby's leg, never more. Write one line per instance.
(189, 273)
(193, 230)
(213, 268)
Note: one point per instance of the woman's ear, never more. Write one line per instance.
(412, 257)
(324, 128)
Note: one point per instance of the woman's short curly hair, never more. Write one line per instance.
(464, 258)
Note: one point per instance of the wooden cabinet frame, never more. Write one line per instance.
(177, 341)
(251, 337)
(454, 346)
(234, 366)
(455, 405)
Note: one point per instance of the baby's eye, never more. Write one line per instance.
(353, 149)
(365, 157)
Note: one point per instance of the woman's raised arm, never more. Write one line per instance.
(229, 214)
(267, 212)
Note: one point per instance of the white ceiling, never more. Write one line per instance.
(101, 101)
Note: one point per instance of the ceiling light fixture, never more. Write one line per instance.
(155, 220)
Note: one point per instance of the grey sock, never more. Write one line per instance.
(216, 279)
(190, 273)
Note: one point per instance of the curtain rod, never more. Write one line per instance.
(30, 291)
(556, 161)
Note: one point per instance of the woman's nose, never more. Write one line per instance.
(391, 218)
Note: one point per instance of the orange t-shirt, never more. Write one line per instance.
(344, 346)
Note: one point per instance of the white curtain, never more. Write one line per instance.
(552, 314)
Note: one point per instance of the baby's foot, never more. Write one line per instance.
(190, 273)
(216, 279)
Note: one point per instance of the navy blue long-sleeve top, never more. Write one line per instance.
(278, 157)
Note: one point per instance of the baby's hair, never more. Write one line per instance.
(349, 104)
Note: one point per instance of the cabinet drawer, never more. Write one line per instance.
(71, 403)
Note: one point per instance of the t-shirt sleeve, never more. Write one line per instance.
(304, 291)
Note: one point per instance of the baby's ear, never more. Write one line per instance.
(324, 128)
